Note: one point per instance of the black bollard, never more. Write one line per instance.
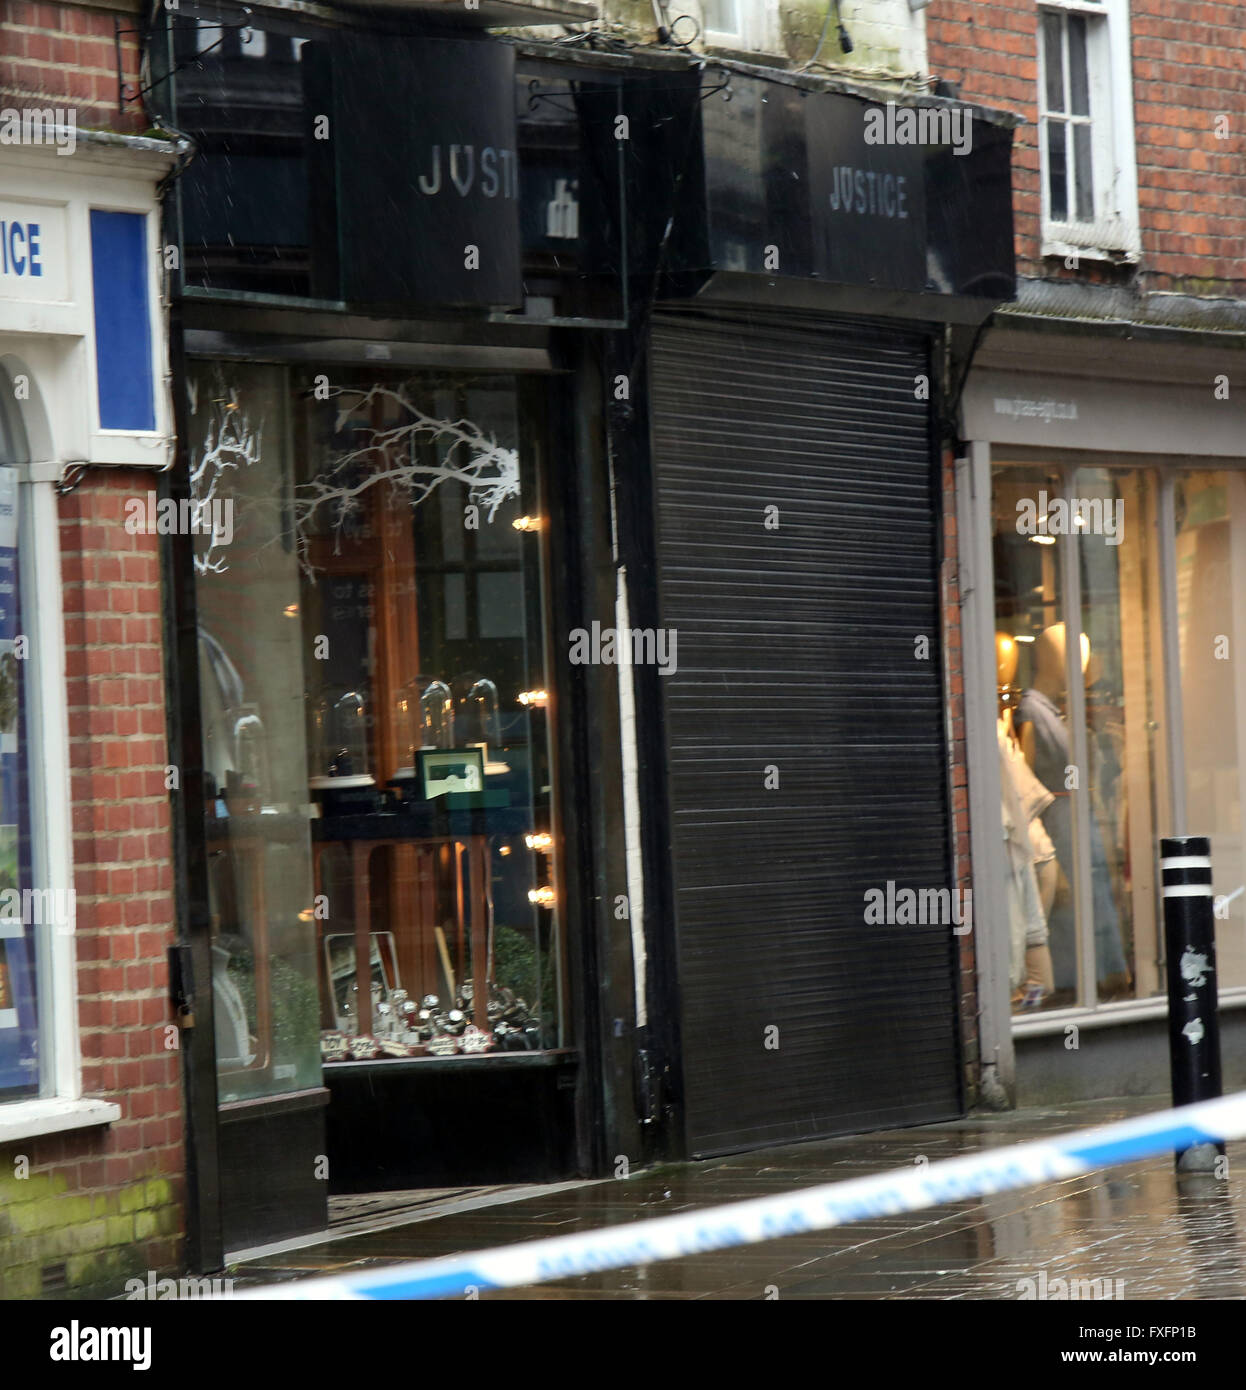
(1190, 951)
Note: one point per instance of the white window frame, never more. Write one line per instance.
(757, 31)
(53, 343)
(60, 1105)
(1114, 233)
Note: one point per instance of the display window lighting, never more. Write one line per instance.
(527, 523)
(542, 840)
(533, 699)
(542, 897)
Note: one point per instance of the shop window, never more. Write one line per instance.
(26, 917)
(1126, 774)
(1211, 626)
(375, 715)
(1083, 773)
(1086, 130)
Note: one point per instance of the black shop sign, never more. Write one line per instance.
(414, 171)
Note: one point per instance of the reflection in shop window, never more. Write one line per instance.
(1211, 625)
(1113, 515)
(376, 783)
(1028, 605)
(1123, 683)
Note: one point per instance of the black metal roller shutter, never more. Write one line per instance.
(796, 651)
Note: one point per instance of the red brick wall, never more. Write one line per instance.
(108, 1202)
(958, 773)
(66, 55)
(1188, 59)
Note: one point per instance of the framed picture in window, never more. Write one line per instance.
(443, 770)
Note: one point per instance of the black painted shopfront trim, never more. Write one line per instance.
(504, 1118)
(272, 1186)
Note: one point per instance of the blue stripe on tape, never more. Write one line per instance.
(1141, 1146)
(433, 1286)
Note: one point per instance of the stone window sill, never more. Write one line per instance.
(30, 1119)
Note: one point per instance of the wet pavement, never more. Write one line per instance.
(1136, 1226)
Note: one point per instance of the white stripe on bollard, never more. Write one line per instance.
(764, 1218)
(1188, 890)
(1186, 861)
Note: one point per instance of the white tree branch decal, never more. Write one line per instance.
(390, 455)
(231, 443)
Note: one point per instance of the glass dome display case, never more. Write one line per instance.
(423, 718)
(340, 741)
(481, 724)
(436, 714)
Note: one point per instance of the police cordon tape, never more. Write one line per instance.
(765, 1218)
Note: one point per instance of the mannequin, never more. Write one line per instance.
(1044, 741)
(1050, 675)
(1031, 856)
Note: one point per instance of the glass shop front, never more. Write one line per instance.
(1082, 544)
(380, 825)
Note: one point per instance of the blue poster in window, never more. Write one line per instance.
(19, 1064)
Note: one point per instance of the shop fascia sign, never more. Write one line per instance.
(425, 129)
(867, 198)
(32, 251)
(832, 187)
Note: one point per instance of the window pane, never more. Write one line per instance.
(1125, 719)
(722, 16)
(261, 895)
(1053, 60)
(1057, 174)
(24, 916)
(1083, 174)
(1079, 82)
(461, 892)
(1211, 583)
(1039, 864)
(375, 728)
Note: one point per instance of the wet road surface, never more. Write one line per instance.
(1161, 1238)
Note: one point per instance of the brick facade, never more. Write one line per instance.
(66, 55)
(107, 1202)
(1187, 59)
(86, 1209)
(958, 776)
